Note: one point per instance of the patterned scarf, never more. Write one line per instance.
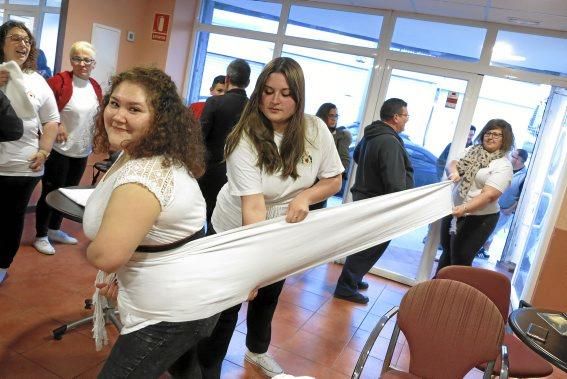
(475, 159)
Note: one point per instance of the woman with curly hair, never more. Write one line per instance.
(22, 161)
(274, 156)
(144, 210)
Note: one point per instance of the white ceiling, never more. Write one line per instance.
(544, 14)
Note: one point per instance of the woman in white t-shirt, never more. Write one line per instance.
(482, 174)
(274, 156)
(147, 206)
(78, 97)
(22, 160)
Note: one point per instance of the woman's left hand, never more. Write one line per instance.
(460, 210)
(297, 209)
(37, 161)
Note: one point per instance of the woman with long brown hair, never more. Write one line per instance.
(274, 156)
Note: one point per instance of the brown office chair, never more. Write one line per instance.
(450, 328)
(523, 362)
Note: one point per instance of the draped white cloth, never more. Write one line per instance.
(15, 90)
(211, 274)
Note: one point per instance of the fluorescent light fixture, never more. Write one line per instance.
(523, 21)
(503, 51)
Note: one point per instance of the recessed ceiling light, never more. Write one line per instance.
(523, 21)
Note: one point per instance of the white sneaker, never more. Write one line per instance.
(43, 246)
(61, 236)
(268, 364)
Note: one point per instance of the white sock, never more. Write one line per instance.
(3, 273)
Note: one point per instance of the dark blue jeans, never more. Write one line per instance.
(150, 351)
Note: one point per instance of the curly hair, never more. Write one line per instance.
(174, 133)
(504, 127)
(255, 125)
(31, 63)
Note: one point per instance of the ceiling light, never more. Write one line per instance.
(523, 21)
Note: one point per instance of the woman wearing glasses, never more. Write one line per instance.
(482, 173)
(78, 97)
(22, 161)
(330, 115)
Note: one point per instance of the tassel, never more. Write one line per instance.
(100, 303)
(453, 227)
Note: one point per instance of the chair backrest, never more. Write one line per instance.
(493, 284)
(450, 328)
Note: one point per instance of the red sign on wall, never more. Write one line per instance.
(161, 26)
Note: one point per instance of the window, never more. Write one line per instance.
(356, 29)
(436, 39)
(528, 52)
(335, 78)
(49, 31)
(254, 15)
(216, 51)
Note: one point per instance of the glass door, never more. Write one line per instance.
(532, 227)
(435, 103)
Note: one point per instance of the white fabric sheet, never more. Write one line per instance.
(211, 274)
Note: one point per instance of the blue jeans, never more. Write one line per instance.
(150, 351)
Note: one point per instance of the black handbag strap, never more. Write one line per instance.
(170, 246)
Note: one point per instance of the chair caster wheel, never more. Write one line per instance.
(58, 333)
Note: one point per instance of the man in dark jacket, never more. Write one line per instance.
(383, 167)
(220, 115)
(11, 126)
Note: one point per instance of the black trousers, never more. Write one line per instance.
(15, 193)
(210, 185)
(60, 171)
(356, 266)
(462, 247)
(212, 350)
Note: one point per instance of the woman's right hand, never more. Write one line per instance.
(454, 176)
(110, 291)
(61, 134)
(4, 77)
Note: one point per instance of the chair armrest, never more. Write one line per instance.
(504, 365)
(370, 342)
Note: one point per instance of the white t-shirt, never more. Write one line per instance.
(78, 118)
(182, 214)
(497, 175)
(321, 160)
(14, 155)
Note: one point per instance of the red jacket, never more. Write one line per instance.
(62, 86)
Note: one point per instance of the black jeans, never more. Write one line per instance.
(15, 193)
(60, 171)
(150, 351)
(210, 184)
(462, 247)
(356, 266)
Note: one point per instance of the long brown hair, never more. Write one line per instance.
(254, 125)
(174, 133)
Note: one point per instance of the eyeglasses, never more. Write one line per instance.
(494, 135)
(87, 61)
(333, 116)
(403, 114)
(17, 38)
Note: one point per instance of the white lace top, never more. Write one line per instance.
(182, 214)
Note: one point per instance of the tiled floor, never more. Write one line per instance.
(313, 333)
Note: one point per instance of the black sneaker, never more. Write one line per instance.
(482, 254)
(362, 285)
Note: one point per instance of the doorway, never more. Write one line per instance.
(436, 101)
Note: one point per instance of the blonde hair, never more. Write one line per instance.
(82, 46)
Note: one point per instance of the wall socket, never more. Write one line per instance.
(131, 36)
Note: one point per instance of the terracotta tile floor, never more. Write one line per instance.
(313, 333)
